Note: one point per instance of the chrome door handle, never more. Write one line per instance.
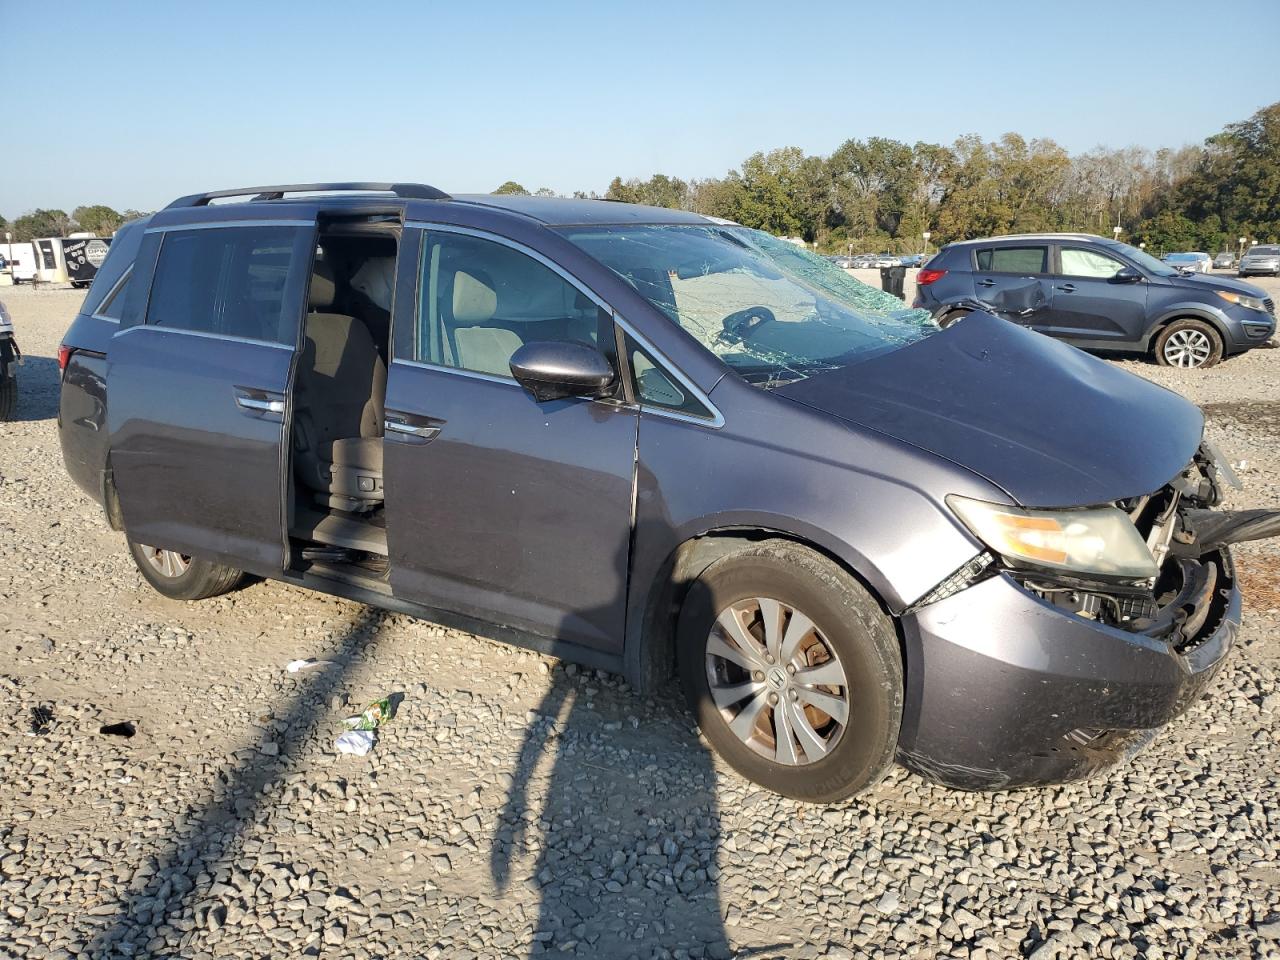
(264, 406)
(424, 432)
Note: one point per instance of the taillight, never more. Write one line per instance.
(926, 277)
(64, 354)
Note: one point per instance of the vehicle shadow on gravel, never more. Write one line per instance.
(627, 862)
(207, 842)
(38, 384)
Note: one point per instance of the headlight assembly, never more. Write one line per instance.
(1101, 541)
(1241, 300)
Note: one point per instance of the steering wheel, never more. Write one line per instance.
(744, 324)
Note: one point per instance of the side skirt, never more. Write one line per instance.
(377, 594)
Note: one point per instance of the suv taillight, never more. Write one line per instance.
(926, 277)
(64, 354)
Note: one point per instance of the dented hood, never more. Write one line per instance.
(1049, 424)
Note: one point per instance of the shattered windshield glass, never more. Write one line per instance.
(768, 308)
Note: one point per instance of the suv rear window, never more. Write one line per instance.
(1014, 259)
(227, 281)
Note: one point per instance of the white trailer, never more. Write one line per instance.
(21, 260)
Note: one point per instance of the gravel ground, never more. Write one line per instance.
(516, 806)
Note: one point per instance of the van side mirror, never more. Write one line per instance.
(1127, 275)
(553, 370)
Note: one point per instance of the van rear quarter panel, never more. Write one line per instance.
(82, 405)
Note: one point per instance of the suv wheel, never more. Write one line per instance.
(181, 577)
(793, 671)
(1188, 343)
(952, 317)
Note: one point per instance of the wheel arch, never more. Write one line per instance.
(1187, 312)
(649, 653)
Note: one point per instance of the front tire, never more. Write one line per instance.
(182, 577)
(1188, 343)
(793, 672)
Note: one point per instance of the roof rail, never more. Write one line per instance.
(407, 191)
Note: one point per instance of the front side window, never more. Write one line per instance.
(225, 281)
(1089, 263)
(771, 310)
(1014, 259)
(480, 301)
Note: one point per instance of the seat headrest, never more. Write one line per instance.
(474, 301)
(322, 287)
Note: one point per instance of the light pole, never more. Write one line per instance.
(926, 236)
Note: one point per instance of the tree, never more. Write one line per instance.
(97, 219)
(512, 187)
(544, 192)
(41, 223)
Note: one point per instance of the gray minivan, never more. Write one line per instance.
(658, 443)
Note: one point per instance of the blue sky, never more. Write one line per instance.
(150, 101)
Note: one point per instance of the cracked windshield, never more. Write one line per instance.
(769, 308)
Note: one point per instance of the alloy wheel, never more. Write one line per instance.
(1187, 348)
(776, 681)
(167, 563)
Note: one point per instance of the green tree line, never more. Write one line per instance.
(882, 195)
(97, 219)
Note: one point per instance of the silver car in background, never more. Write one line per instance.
(1190, 262)
(1260, 259)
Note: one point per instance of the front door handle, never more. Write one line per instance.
(425, 432)
(255, 402)
(1068, 288)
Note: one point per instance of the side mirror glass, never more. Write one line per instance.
(553, 370)
(1127, 275)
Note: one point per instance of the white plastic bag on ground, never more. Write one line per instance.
(358, 742)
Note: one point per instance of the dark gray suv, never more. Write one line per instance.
(654, 442)
(1100, 294)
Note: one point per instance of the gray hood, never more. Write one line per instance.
(1205, 281)
(1045, 422)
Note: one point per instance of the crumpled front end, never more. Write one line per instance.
(1017, 676)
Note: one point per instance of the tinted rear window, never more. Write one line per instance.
(227, 281)
(1013, 259)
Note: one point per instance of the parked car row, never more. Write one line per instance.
(872, 261)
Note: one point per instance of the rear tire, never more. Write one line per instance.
(8, 395)
(181, 577)
(819, 738)
(1188, 343)
(952, 317)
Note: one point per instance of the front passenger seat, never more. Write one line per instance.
(479, 347)
(341, 385)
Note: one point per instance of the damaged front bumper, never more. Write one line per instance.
(1016, 678)
(1005, 689)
